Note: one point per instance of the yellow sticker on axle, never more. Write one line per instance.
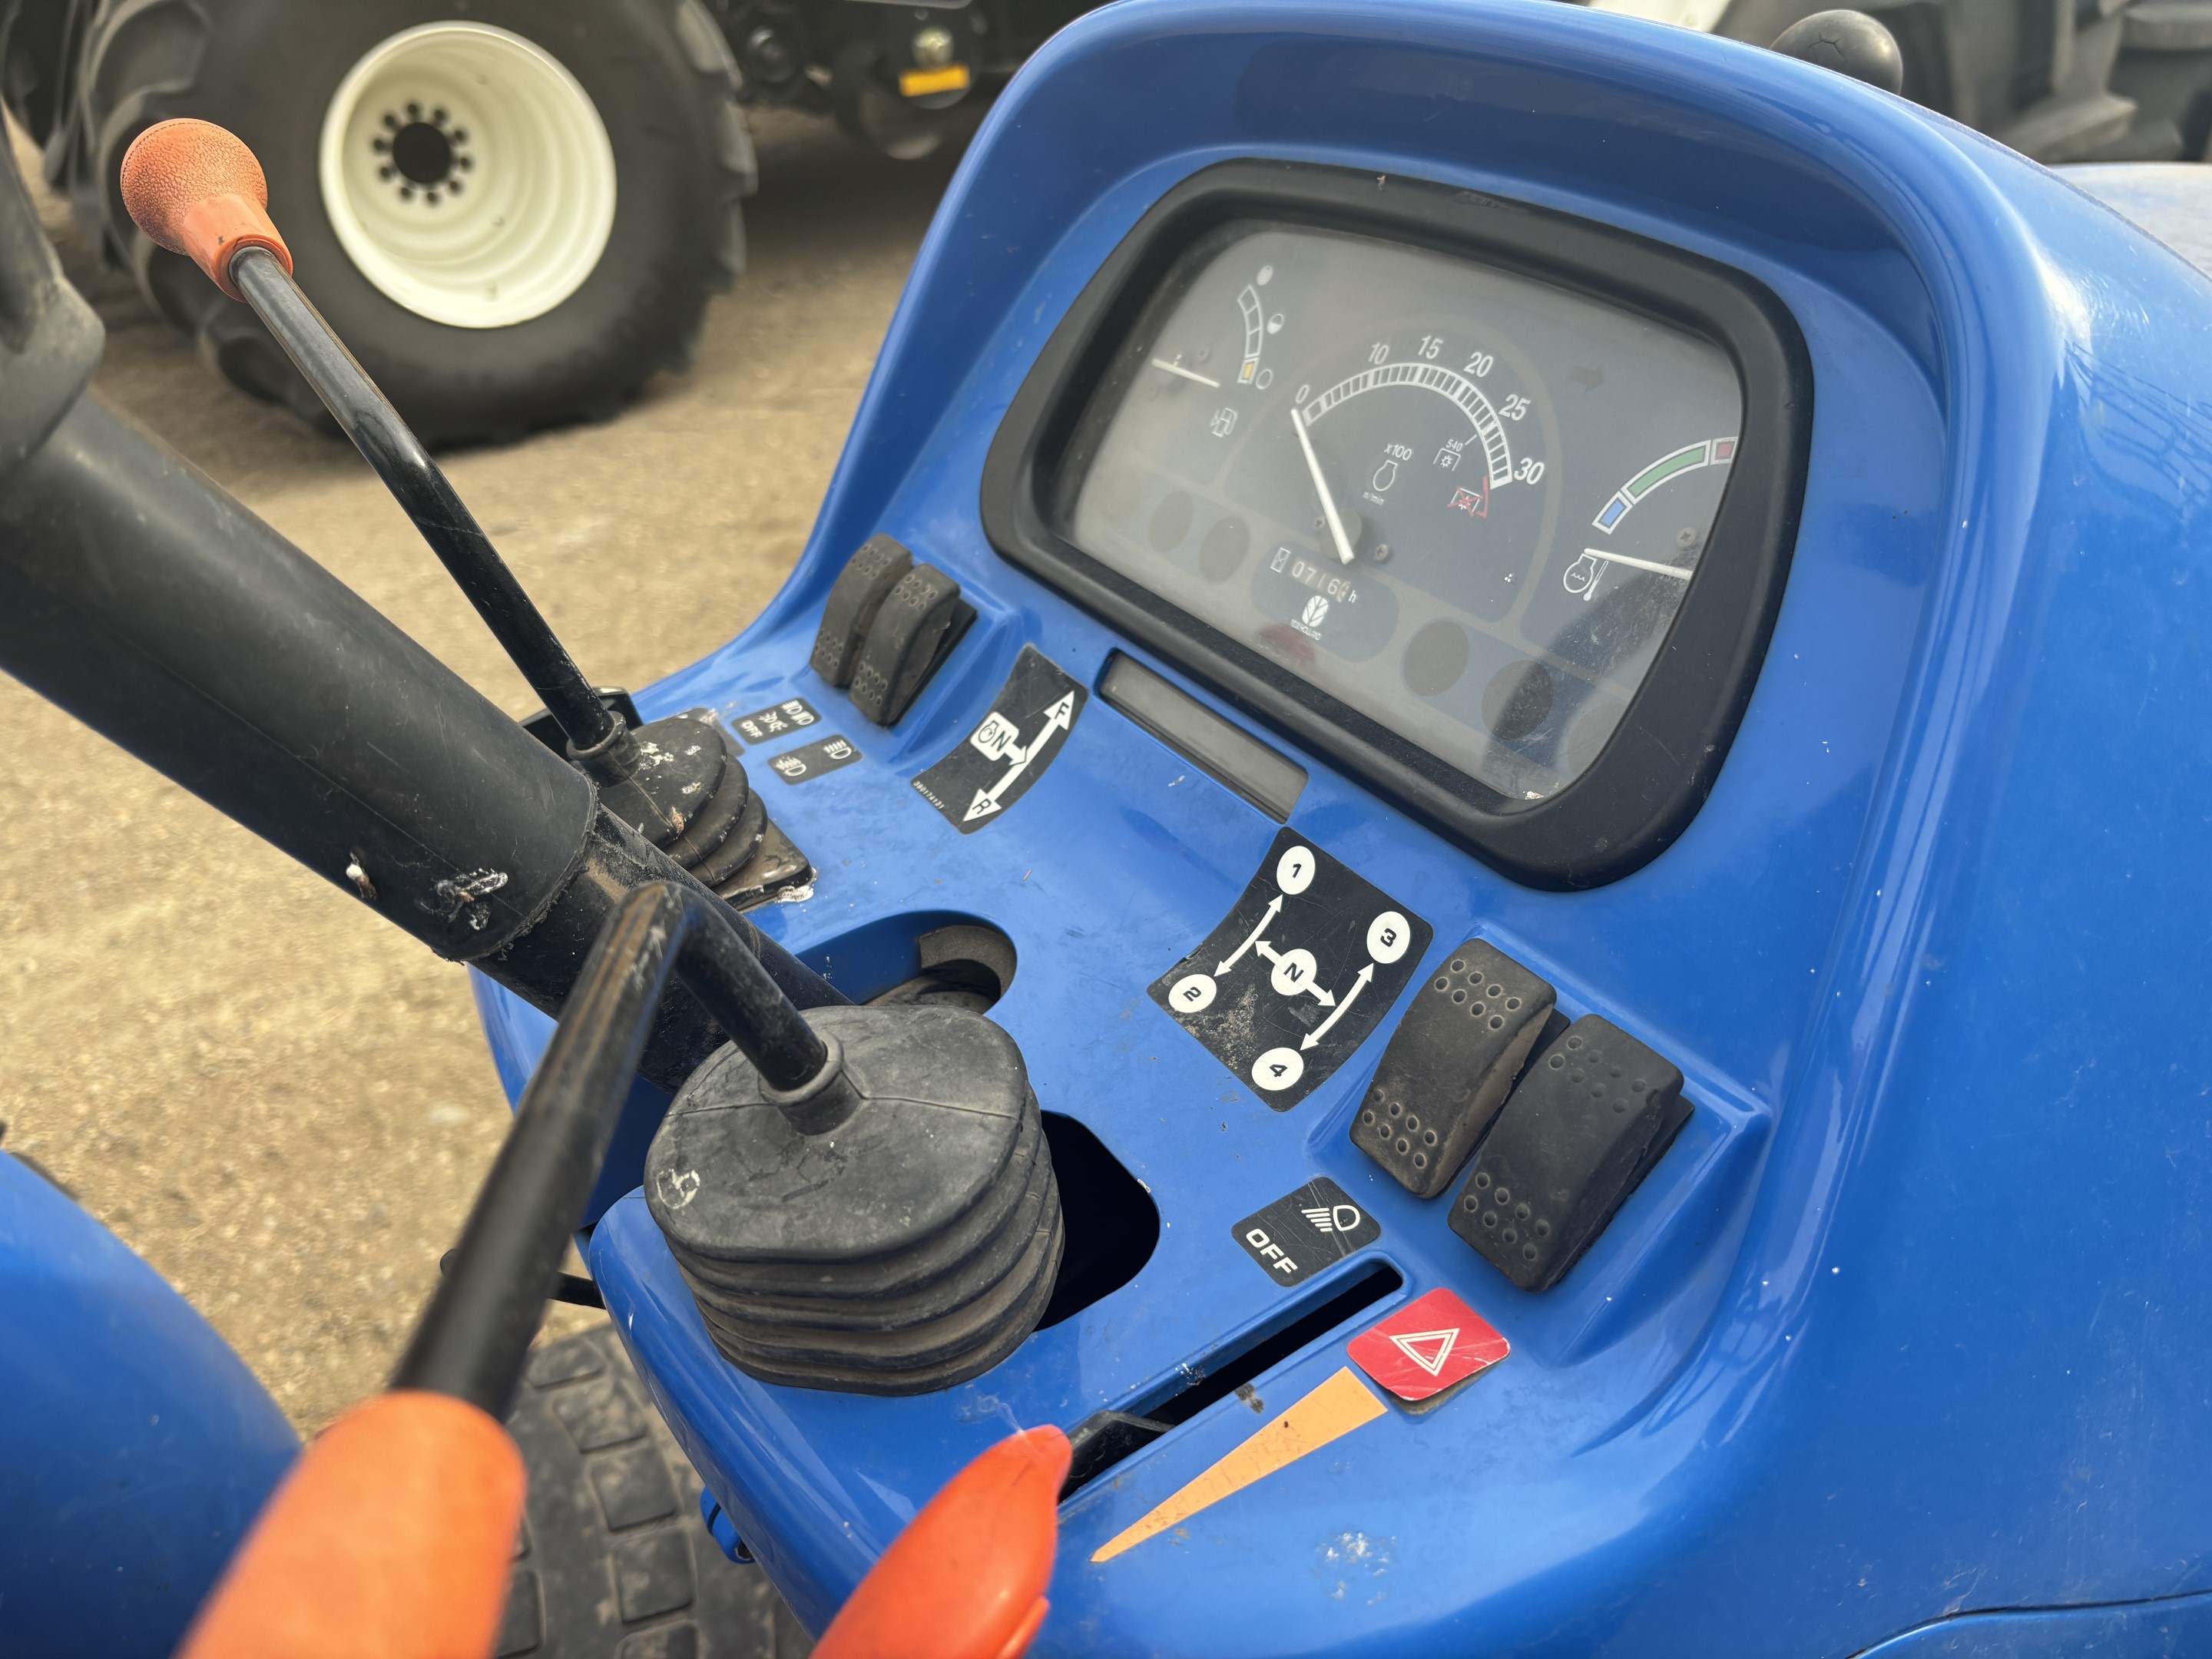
(920, 84)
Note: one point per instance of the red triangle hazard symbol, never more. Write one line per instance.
(1427, 1349)
(1435, 1342)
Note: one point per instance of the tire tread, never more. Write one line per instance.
(615, 1561)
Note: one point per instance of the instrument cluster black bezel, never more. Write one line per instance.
(1656, 770)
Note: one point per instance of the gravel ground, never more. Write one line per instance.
(278, 1100)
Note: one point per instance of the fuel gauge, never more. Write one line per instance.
(1216, 348)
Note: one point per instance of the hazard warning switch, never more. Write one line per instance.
(1433, 1343)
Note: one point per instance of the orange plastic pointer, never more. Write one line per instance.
(966, 1578)
(197, 190)
(391, 1538)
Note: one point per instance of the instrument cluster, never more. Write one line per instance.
(1464, 500)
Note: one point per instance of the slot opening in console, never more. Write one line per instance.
(1104, 1438)
(931, 956)
(1112, 1223)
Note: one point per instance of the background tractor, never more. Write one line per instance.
(2059, 80)
(515, 211)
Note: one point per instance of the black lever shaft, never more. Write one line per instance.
(477, 1331)
(422, 488)
(163, 614)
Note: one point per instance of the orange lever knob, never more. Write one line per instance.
(196, 189)
(391, 1538)
(966, 1579)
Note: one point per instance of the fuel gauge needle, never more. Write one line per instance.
(1187, 375)
(1321, 484)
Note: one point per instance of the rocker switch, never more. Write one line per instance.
(914, 630)
(854, 599)
(1450, 1065)
(1595, 1111)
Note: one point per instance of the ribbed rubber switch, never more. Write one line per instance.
(1596, 1111)
(919, 622)
(1454, 1054)
(854, 599)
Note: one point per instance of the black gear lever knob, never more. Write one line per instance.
(1849, 42)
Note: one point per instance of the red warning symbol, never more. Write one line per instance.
(1427, 1346)
(1427, 1349)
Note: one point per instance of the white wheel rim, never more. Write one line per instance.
(468, 175)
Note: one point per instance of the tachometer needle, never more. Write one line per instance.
(1321, 484)
(1187, 375)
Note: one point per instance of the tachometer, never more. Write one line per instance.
(1432, 464)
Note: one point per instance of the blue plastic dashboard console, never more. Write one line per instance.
(1913, 1321)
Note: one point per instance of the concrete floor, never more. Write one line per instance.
(278, 1100)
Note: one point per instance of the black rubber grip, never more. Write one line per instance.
(1450, 1064)
(854, 599)
(912, 633)
(1594, 1114)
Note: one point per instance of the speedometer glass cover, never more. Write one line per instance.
(1464, 503)
(1493, 507)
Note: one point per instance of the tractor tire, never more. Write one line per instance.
(614, 1561)
(513, 211)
